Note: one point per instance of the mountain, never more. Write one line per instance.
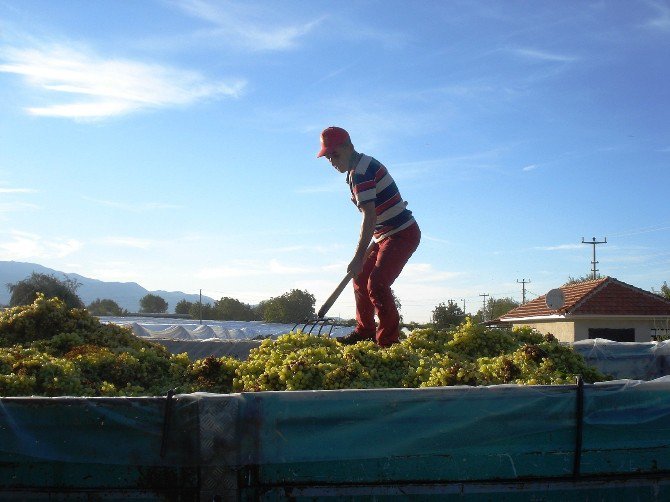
(126, 294)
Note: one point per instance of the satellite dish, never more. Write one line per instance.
(555, 299)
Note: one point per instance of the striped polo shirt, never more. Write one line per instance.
(370, 181)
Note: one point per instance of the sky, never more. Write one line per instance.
(173, 143)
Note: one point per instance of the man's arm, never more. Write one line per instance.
(367, 230)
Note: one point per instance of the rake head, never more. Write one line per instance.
(324, 324)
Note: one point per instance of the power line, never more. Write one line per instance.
(200, 306)
(523, 283)
(484, 310)
(594, 262)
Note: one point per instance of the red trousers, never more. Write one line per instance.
(372, 287)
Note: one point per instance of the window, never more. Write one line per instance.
(616, 335)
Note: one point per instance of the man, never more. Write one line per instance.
(388, 222)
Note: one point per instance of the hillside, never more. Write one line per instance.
(126, 294)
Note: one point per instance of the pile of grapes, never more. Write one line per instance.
(467, 355)
(47, 349)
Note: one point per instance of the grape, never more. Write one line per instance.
(46, 349)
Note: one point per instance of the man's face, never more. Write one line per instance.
(339, 157)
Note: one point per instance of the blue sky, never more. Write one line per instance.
(172, 142)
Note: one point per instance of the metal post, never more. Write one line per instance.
(593, 243)
(484, 310)
(523, 282)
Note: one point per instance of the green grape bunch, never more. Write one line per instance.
(48, 349)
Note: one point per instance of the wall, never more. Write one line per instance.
(563, 330)
(573, 331)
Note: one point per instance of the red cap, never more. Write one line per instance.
(331, 138)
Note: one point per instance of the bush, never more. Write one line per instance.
(105, 307)
(153, 304)
(50, 349)
(26, 291)
(294, 306)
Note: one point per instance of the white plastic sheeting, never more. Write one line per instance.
(643, 361)
(188, 329)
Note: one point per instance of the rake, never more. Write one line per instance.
(328, 323)
(321, 321)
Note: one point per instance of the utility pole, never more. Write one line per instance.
(463, 300)
(484, 310)
(200, 308)
(593, 243)
(523, 283)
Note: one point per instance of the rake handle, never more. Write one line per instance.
(340, 287)
(331, 299)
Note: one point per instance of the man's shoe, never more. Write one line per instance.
(352, 338)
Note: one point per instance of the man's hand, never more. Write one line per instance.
(367, 230)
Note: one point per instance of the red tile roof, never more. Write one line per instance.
(606, 297)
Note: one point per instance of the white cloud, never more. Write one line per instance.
(13, 207)
(7, 207)
(275, 267)
(560, 247)
(103, 87)
(130, 242)
(335, 73)
(485, 160)
(249, 268)
(134, 207)
(435, 239)
(642, 230)
(530, 167)
(330, 188)
(17, 190)
(26, 246)
(296, 249)
(662, 19)
(539, 55)
(424, 272)
(115, 271)
(246, 26)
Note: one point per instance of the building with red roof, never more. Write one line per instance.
(602, 308)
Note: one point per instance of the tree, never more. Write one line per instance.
(294, 306)
(259, 309)
(448, 315)
(231, 309)
(24, 292)
(584, 278)
(202, 311)
(664, 292)
(105, 307)
(398, 305)
(153, 304)
(496, 308)
(183, 307)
